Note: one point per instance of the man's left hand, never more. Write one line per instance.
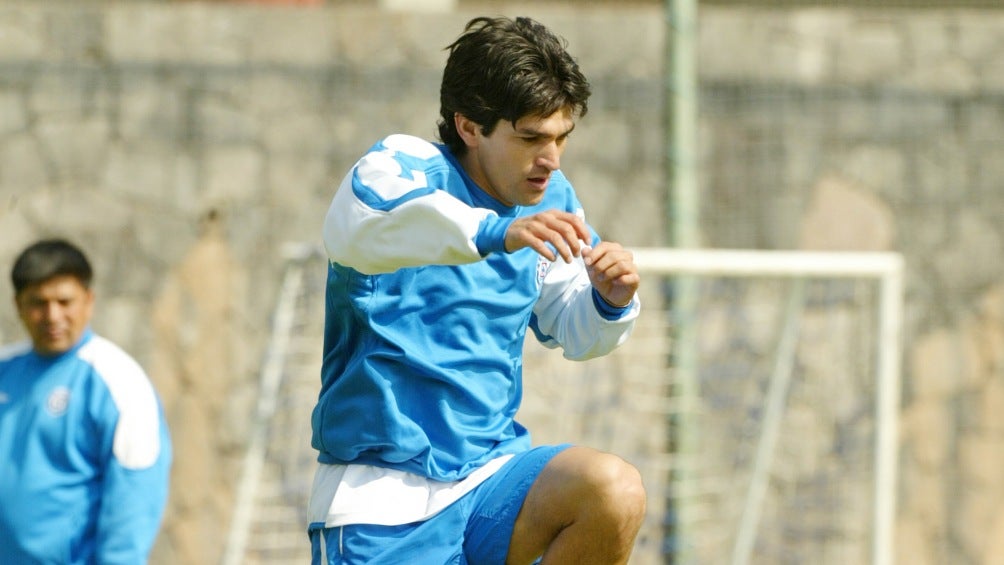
(613, 272)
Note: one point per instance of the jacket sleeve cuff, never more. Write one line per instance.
(491, 235)
(609, 311)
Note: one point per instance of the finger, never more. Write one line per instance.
(582, 232)
(628, 280)
(604, 258)
(541, 247)
(599, 251)
(550, 234)
(567, 249)
(620, 290)
(618, 273)
(561, 231)
(570, 228)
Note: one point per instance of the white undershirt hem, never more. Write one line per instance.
(364, 494)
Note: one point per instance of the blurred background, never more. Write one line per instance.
(192, 149)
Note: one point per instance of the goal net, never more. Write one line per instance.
(758, 396)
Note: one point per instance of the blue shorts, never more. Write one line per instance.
(474, 530)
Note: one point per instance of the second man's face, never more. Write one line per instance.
(514, 163)
(55, 313)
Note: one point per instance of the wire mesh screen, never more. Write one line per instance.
(846, 125)
(270, 522)
(759, 450)
(786, 382)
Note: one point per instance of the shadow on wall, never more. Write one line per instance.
(196, 363)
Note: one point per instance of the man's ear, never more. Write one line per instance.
(467, 129)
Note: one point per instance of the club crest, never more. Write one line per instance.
(543, 265)
(58, 401)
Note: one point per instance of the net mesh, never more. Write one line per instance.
(696, 432)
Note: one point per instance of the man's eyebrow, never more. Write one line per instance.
(537, 133)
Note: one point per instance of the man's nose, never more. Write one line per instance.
(51, 311)
(550, 156)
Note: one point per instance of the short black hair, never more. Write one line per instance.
(507, 69)
(50, 258)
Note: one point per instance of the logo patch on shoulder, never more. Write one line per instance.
(58, 401)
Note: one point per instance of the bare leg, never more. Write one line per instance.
(585, 507)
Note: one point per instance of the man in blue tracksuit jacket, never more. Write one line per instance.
(84, 448)
(442, 257)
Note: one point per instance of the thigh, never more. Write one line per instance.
(576, 486)
(477, 529)
(496, 503)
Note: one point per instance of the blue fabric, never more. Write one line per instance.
(422, 367)
(65, 497)
(475, 530)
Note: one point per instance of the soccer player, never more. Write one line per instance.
(442, 257)
(84, 448)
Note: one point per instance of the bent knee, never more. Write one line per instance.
(625, 484)
(620, 500)
(616, 483)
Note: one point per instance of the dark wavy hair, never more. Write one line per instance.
(505, 69)
(49, 258)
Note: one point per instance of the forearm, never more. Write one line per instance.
(132, 507)
(568, 315)
(382, 219)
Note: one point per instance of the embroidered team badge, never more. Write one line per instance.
(58, 401)
(543, 265)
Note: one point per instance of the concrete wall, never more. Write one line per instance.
(183, 144)
(882, 130)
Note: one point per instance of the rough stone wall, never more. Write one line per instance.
(857, 129)
(183, 143)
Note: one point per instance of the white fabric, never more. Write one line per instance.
(363, 494)
(137, 433)
(364, 238)
(567, 317)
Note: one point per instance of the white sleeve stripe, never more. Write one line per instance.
(137, 434)
(362, 238)
(567, 315)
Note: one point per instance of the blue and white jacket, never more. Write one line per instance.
(426, 315)
(84, 456)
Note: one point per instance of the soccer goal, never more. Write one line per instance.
(758, 397)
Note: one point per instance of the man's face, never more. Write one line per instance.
(55, 313)
(514, 164)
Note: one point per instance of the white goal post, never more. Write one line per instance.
(885, 268)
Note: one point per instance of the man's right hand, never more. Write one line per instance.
(563, 230)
